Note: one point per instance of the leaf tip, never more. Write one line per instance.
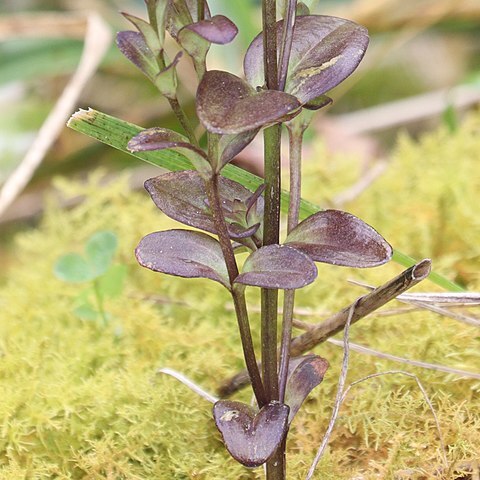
(82, 114)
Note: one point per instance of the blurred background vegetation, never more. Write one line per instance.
(417, 47)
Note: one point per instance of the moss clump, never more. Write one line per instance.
(82, 401)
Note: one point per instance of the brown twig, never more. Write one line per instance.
(97, 40)
(320, 332)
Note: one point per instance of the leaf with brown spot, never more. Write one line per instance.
(251, 437)
(340, 238)
(325, 51)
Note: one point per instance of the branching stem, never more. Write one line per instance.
(232, 268)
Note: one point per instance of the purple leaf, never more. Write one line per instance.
(182, 196)
(340, 238)
(161, 138)
(218, 29)
(183, 253)
(304, 374)
(251, 437)
(277, 266)
(134, 47)
(227, 104)
(231, 145)
(325, 51)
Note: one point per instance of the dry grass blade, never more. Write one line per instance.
(97, 41)
(45, 25)
(401, 112)
(339, 397)
(415, 363)
(447, 298)
(191, 385)
(436, 302)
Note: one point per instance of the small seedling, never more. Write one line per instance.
(96, 269)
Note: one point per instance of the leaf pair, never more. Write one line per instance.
(252, 436)
(99, 251)
(325, 51)
(190, 254)
(95, 267)
(331, 236)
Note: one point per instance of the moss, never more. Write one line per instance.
(81, 401)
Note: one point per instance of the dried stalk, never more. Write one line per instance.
(364, 306)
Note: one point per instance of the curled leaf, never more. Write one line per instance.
(227, 104)
(149, 34)
(183, 253)
(304, 374)
(162, 138)
(251, 437)
(135, 48)
(340, 238)
(325, 51)
(166, 79)
(277, 267)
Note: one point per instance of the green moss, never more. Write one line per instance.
(80, 401)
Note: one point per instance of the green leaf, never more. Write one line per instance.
(86, 312)
(149, 34)
(112, 282)
(116, 133)
(73, 268)
(100, 249)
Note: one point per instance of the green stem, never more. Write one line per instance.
(232, 268)
(183, 119)
(275, 467)
(200, 10)
(295, 143)
(99, 299)
(269, 12)
(271, 236)
(286, 44)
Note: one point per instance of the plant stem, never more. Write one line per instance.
(177, 109)
(270, 236)
(183, 119)
(200, 10)
(232, 268)
(99, 299)
(295, 143)
(269, 12)
(275, 467)
(286, 44)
